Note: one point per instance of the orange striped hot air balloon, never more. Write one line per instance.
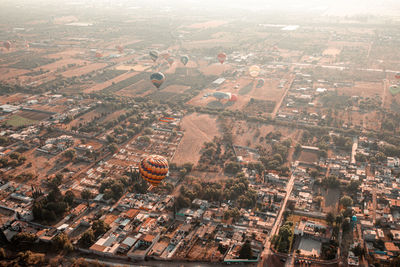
(153, 169)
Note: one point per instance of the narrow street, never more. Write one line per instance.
(267, 245)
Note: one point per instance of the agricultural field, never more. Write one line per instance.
(34, 115)
(9, 73)
(109, 83)
(363, 89)
(83, 70)
(18, 121)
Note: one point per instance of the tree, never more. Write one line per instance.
(99, 228)
(69, 197)
(232, 167)
(86, 194)
(69, 154)
(62, 242)
(87, 239)
(246, 252)
(112, 148)
(330, 218)
(2, 254)
(346, 201)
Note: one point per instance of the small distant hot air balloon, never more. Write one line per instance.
(165, 55)
(254, 71)
(233, 98)
(221, 57)
(98, 55)
(394, 89)
(222, 95)
(170, 61)
(184, 60)
(27, 45)
(7, 45)
(157, 79)
(397, 75)
(153, 169)
(260, 83)
(154, 55)
(120, 49)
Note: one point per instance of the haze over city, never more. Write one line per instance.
(200, 133)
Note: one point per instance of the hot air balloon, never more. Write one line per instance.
(7, 45)
(397, 75)
(221, 57)
(394, 89)
(153, 169)
(27, 45)
(157, 78)
(233, 98)
(184, 60)
(120, 49)
(154, 55)
(165, 55)
(222, 95)
(260, 83)
(254, 71)
(170, 61)
(98, 55)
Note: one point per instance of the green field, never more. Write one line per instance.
(17, 121)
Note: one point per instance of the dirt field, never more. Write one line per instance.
(363, 89)
(215, 69)
(101, 86)
(132, 67)
(246, 91)
(83, 70)
(309, 157)
(198, 128)
(17, 121)
(8, 73)
(141, 88)
(65, 54)
(12, 98)
(331, 51)
(61, 63)
(33, 115)
(245, 132)
(207, 24)
(83, 119)
(176, 88)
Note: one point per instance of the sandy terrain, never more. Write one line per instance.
(198, 128)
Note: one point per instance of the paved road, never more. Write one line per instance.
(267, 245)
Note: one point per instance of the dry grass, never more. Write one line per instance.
(199, 128)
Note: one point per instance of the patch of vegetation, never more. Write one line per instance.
(18, 121)
(32, 62)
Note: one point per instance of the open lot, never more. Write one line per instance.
(17, 121)
(198, 128)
